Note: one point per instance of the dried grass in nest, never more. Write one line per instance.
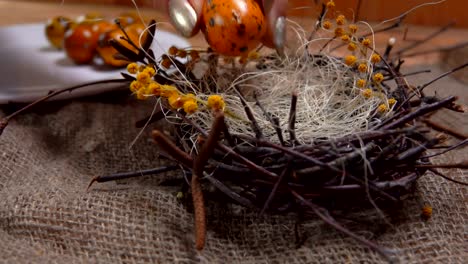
(296, 135)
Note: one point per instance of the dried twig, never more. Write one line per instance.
(198, 166)
(4, 121)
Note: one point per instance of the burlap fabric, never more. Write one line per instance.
(47, 159)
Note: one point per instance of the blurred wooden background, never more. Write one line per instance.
(370, 10)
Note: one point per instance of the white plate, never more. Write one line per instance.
(30, 68)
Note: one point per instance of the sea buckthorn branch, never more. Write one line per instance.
(363, 67)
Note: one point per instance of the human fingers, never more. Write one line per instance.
(275, 12)
(185, 15)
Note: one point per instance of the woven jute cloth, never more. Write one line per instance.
(49, 156)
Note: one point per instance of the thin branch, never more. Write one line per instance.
(292, 120)
(273, 191)
(324, 165)
(421, 87)
(251, 165)
(274, 120)
(445, 129)
(447, 178)
(419, 112)
(4, 121)
(318, 24)
(323, 214)
(458, 145)
(461, 165)
(231, 194)
(424, 40)
(133, 174)
(448, 48)
(167, 145)
(250, 116)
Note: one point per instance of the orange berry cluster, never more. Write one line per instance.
(145, 87)
(174, 52)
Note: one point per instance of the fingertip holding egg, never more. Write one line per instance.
(233, 27)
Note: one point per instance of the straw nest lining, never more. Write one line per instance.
(328, 103)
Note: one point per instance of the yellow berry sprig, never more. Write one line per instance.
(144, 86)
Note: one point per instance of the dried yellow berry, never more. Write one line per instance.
(253, 55)
(169, 91)
(375, 58)
(350, 60)
(216, 102)
(141, 68)
(182, 53)
(132, 68)
(353, 28)
(173, 50)
(361, 83)
(345, 38)
(143, 77)
(362, 67)
(176, 101)
(331, 4)
(391, 102)
(378, 77)
(150, 71)
(382, 108)
(339, 32)
(326, 24)
(352, 46)
(190, 106)
(340, 20)
(366, 42)
(135, 86)
(154, 88)
(367, 93)
(195, 55)
(166, 63)
(141, 95)
(426, 212)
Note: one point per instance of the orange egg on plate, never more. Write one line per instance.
(80, 43)
(55, 30)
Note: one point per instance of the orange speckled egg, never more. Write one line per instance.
(55, 30)
(233, 27)
(80, 43)
(103, 26)
(107, 52)
(135, 32)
